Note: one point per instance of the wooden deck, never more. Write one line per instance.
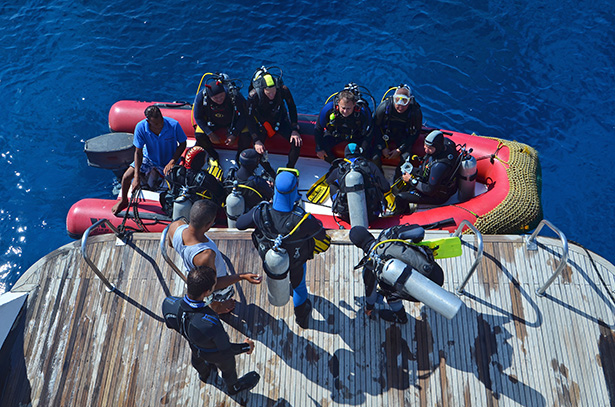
(80, 345)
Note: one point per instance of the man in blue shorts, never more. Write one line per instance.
(159, 142)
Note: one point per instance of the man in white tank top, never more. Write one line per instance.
(196, 249)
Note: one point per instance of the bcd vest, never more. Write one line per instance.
(373, 195)
(270, 224)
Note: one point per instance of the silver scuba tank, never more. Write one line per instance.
(466, 181)
(235, 205)
(277, 265)
(355, 195)
(182, 205)
(421, 288)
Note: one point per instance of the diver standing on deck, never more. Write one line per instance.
(285, 224)
(192, 317)
(197, 249)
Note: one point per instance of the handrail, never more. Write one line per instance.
(532, 245)
(108, 286)
(479, 255)
(163, 251)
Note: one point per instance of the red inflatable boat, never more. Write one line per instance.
(507, 196)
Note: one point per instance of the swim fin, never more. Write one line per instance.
(319, 192)
(398, 186)
(443, 248)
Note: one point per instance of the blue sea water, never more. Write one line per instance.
(537, 72)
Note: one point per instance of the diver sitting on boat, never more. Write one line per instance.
(374, 184)
(398, 121)
(347, 118)
(434, 181)
(271, 110)
(245, 189)
(197, 178)
(220, 108)
(159, 143)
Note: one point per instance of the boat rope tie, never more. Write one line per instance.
(467, 210)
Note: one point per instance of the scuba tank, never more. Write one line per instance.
(355, 195)
(182, 205)
(277, 265)
(467, 178)
(235, 205)
(404, 278)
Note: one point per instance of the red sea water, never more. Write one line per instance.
(537, 72)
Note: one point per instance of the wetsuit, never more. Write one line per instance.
(230, 115)
(435, 180)
(263, 111)
(209, 342)
(396, 130)
(332, 128)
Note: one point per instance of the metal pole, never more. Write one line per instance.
(479, 255)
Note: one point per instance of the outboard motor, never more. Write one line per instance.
(466, 181)
(182, 205)
(235, 205)
(355, 194)
(398, 274)
(277, 265)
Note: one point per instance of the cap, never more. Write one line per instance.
(352, 150)
(435, 139)
(360, 237)
(285, 192)
(268, 81)
(195, 158)
(215, 88)
(248, 161)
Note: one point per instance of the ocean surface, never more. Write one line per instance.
(541, 73)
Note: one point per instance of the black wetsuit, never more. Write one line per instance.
(332, 129)
(229, 115)
(401, 129)
(208, 340)
(263, 110)
(435, 178)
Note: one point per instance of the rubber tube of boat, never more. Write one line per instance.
(420, 287)
(467, 178)
(182, 206)
(235, 205)
(357, 206)
(277, 265)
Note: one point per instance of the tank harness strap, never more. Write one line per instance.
(251, 189)
(403, 277)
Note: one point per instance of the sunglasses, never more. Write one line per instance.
(401, 99)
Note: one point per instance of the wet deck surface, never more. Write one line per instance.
(82, 346)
